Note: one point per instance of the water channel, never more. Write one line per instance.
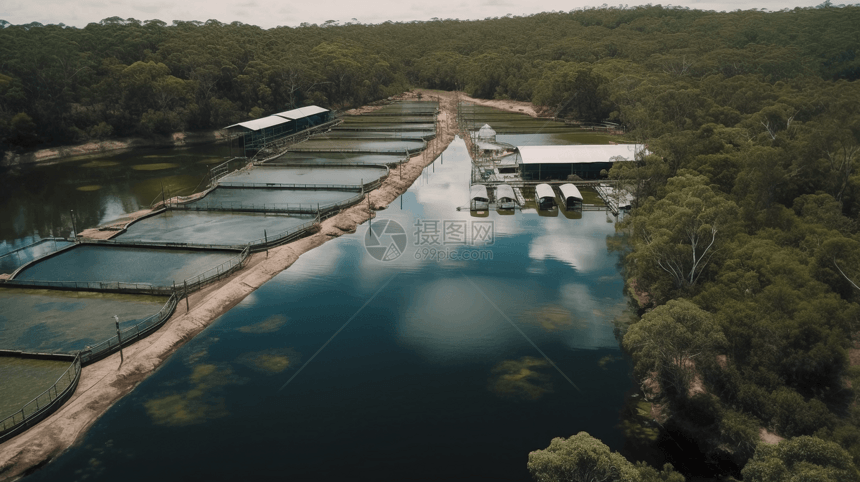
(431, 366)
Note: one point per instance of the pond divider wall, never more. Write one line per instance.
(41, 258)
(48, 401)
(43, 240)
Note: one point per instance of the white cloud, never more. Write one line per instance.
(261, 14)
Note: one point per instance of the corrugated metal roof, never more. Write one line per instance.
(544, 190)
(578, 154)
(260, 124)
(504, 191)
(301, 112)
(570, 191)
(478, 191)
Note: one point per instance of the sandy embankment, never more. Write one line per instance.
(105, 382)
(509, 105)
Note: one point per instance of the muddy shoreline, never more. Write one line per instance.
(105, 382)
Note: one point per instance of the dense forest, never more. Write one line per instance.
(743, 248)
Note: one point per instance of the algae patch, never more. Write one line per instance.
(521, 379)
(94, 164)
(158, 166)
(197, 404)
(607, 360)
(270, 361)
(552, 318)
(269, 325)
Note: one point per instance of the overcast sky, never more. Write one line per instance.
(272, 13)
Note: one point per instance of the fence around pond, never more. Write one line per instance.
(192, 284)
(48, 401)
(271, 208)
(131, 334)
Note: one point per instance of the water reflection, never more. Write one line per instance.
(35, 200)
(425, 370)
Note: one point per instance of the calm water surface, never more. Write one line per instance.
(344, 367)
(35, 200)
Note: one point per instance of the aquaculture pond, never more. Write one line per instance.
(369, 134)
(408, 108)
(556, 138)
(347, 176)
(14, 259)
(67, 321)
(364, 145)
(35, 200)
(227, 197)
(370, 118)
(481, 341)
(220, 228)
(106, 263)
(24, 379)
(339, 157)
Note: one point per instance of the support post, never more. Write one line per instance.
(266, 240)
(119, 339)
(74, 224)
(187, 305)
(162, 195)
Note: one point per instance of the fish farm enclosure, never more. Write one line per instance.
(65, 297)
(436, 325)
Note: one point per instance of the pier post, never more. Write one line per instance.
(187, 307)
(266, 240)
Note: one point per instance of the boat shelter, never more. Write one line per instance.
(571, 196)
(544, 196)
(505, 197)
(585, 161)
(478, 197)
(257, 133)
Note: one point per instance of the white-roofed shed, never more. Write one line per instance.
(571, 195)
(586, 161)
(259, 124)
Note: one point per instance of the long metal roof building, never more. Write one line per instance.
(259, 124)
(301, 112)
(277, 119)
(579, 154)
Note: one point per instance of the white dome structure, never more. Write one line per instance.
(486, 133)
